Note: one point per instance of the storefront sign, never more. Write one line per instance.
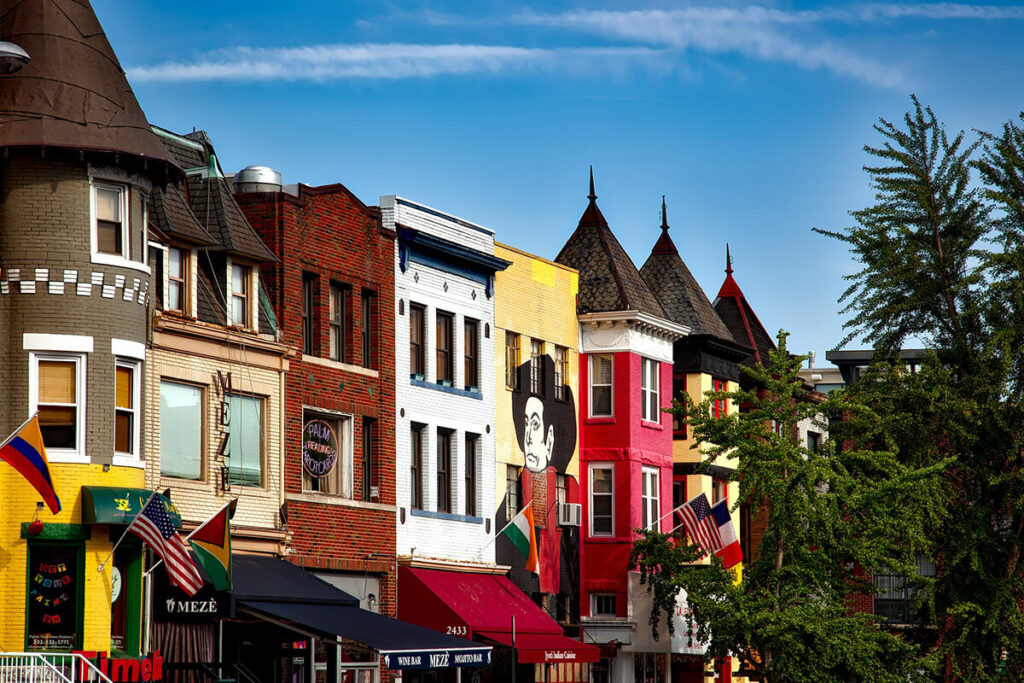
(170, 603)
(435, 659)
(319, 448)
(124, 670)
(53, 587)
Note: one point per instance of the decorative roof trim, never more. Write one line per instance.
(659, 327)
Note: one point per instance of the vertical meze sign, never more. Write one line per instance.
(319, 448)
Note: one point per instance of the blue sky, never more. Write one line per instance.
(750, 118)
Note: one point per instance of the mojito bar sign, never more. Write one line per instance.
(319, 448)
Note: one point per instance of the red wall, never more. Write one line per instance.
(631, 444)
(327, 231)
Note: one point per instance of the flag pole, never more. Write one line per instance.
(497, 533)
(125, 533)
(192, 533)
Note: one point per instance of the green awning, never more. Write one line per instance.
(116, 505)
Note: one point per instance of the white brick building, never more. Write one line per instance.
(445, 393)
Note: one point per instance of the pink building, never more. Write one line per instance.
(626, 347)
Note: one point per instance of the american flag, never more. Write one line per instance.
(154, 527)
(700, 523)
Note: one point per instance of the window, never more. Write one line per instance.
(369, 443)
(416, 468)
(602, 504)
(417, 327)
(181, 430)
(561, 372)
(245, 442)
(177, 279)
(813, 441)
(472, 441)
(719, 407)
(308, 307)
(471, 352)
(443, 344)
(511, 360)
(602, 604)
(719, 490)
(649, 498)
(511, 492)
(126, 408)
(326, 454)
(649, 395)
(894, 596)
(536, 367)
(561, 489)
(337, 324)
(110, 211)
(678, 390)
(601, 385)
(367, 327)
(444, 470)
(239, 295)
(59, 397)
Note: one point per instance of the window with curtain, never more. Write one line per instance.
(58, 401)
(601, 385)
(649, 395)
(240, 295)
(126, 408)
(443, 343)
(245, 442)
(338, 430)
(181, 430)
(602, 501)
(471, 353)
(649, 498)
(177, 279)
(110, 205)
(417, 334)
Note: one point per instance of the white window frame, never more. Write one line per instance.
(594, 597)
(77, 454)
(650, 385)
(250, 295)
(186, 289)
(203, 431)
(650, 497)
(346, 447)
(133, 459)
(592, 385)
(265, 473)
(610, 467)
(124, 259)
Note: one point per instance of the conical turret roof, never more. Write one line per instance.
(73, 93)
(734, 309)
(677, 290)
(609, 281)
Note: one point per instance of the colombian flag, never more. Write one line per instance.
(24, 451)
(212, 545)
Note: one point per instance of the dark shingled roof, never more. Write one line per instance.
(211, 199)
(609, 281)
(740, 318)
(169, 213)
(73, 92)
(680, 296)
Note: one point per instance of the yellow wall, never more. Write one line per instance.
(18, 505)
(535, 298)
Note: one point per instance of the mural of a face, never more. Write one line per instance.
(539, 439)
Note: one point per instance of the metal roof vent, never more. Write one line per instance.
(257, 179)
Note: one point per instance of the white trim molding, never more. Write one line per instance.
(70, 343)
(128, 349)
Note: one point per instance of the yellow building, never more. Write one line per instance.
(537, 449)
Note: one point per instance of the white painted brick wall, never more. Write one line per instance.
(446, 539)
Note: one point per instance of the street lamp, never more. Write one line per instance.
(12, 57)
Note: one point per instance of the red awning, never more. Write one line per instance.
(469, 604)
(547, 648)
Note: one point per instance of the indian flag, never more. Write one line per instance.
(521, 531)
(212, 545)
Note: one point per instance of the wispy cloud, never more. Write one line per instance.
(391, 61)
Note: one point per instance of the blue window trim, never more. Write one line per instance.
(448, 257)
(450, 516)
(448, 390)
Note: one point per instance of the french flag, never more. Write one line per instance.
(729, 548)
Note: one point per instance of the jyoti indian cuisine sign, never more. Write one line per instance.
(319, 448)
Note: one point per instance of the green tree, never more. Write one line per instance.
(828, 513)
(941, 261)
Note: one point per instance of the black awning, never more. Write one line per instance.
(400, 644)
(268, 579)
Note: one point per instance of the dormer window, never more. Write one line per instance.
(177, 279)
(240, 295)
(110, 211)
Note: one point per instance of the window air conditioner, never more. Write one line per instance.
(570, 514)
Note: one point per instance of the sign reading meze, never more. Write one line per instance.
(436, 659)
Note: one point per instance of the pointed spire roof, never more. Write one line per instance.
(677, 290)
(609, 281)
(734, 309)
(73, 93)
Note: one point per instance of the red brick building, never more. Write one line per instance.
(332, 293)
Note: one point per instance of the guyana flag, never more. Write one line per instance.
(212, 545)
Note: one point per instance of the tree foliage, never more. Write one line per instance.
(828, 513)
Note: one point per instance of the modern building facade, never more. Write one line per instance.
(625, 375)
